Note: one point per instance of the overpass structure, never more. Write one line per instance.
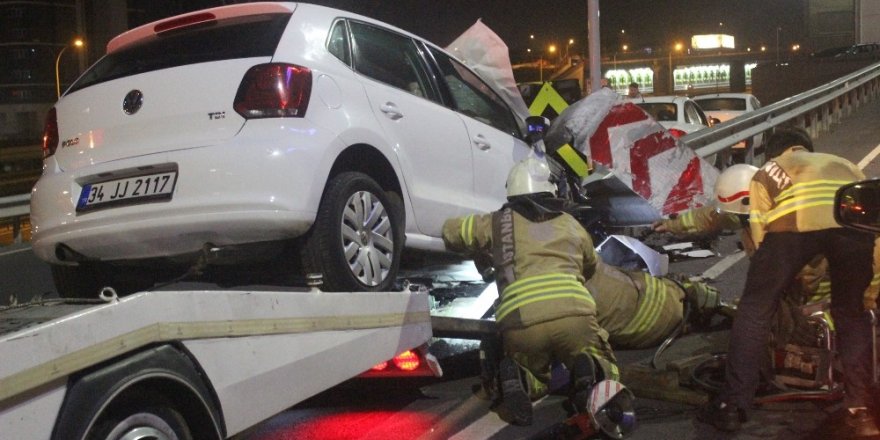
(764, 74)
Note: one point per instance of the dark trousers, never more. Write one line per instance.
(778, 259)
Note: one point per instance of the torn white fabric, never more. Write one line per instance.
(484, 51)
(630, 253)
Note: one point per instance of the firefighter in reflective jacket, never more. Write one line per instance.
(541, 256)
(792, 220)
(639, 310)
(811, 285)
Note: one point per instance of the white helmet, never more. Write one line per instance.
(732, 188)
(530, 176)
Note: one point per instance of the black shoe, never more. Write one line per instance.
(515, 407)
(722, 416)
(583, 377)
(859, 423)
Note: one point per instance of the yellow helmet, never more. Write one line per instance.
(530, 176)
(732, 188)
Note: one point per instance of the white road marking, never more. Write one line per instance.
(721, 266)
(3, 254)
(867, 159)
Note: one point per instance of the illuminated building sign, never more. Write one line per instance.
(714, 41)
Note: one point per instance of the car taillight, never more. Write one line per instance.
(50, 133)
(407, 361)
(274, 91)
(676, 133)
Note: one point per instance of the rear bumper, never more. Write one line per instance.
(252, 189)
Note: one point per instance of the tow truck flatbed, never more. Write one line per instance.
(219, 360)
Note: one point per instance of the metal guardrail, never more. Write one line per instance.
(15, 208)
(814, 110)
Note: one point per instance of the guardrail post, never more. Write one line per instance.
(835, 110)
(848, 104)
(826, 116)
(16, 230)
(814, 122)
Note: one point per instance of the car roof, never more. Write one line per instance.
(139, 33)
(724, 95)
(664, 98)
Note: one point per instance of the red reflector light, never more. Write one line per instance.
(274, 91)
(50, 133)
(189, 20)
(676, 133)
(380, 366)
(407, 361)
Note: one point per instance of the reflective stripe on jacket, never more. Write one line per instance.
(637, 309)
(795, 192)
(540, 266)
(702, 220)
(529, 290)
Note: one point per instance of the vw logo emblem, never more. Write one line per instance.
(132, 102)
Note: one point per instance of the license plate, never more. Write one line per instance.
(128, 190)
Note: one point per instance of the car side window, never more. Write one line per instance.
(473, 97)
(390, 58)
(693, 115)
(337, 44)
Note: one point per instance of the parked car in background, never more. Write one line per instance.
(726, 106)
(265, 132)
(678, 114)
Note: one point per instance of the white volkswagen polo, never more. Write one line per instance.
(261, 131)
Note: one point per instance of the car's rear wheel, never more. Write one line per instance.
(357, 237)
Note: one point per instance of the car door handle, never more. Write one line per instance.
(390, 110)
(481, 142)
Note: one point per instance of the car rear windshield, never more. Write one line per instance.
(239, 37)
(660, 111)
(722, 104)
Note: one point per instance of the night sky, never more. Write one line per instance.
(647, 23)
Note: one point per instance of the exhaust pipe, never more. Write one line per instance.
(64, 253)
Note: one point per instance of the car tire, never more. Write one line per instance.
(352, 251)
(138, 419)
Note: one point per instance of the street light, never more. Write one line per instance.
(678, 47)
(78, 43)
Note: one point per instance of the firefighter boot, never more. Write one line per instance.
(515, 407)
(583, 377)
